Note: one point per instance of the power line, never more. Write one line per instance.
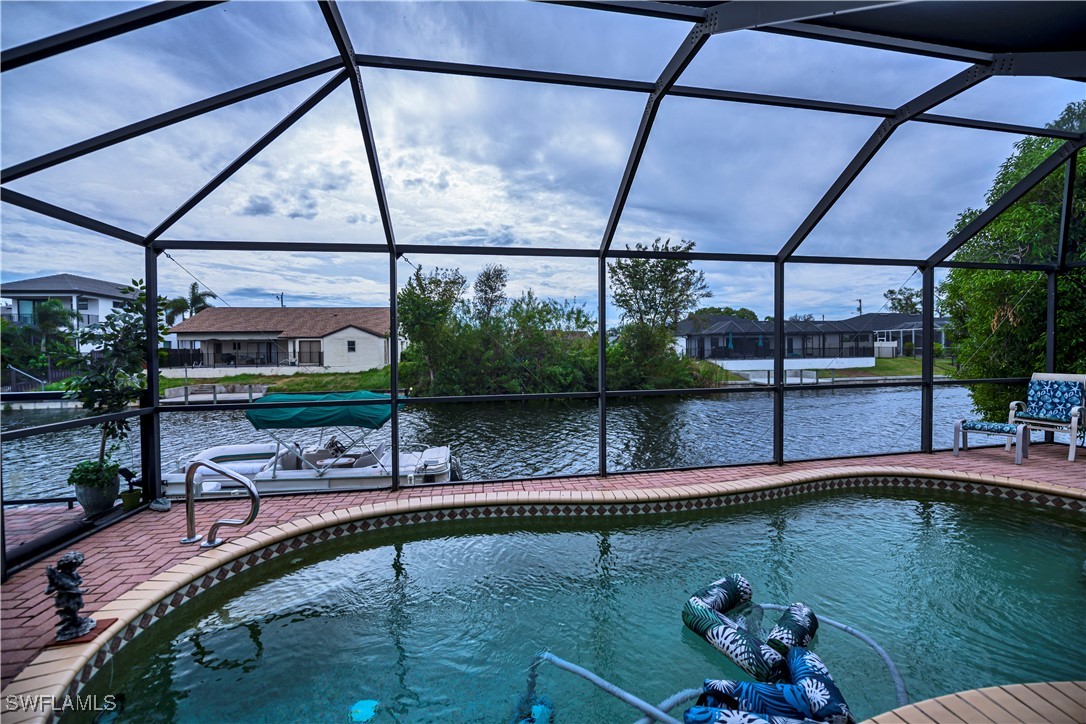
(198, 280)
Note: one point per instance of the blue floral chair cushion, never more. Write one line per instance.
(996, 428)
(1052, 400)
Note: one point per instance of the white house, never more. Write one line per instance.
(280, 340)
(92, 299)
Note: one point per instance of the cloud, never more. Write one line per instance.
(258, 206)
(481, 161)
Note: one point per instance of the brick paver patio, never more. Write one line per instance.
(134, 550)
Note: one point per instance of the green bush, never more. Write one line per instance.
(937, 349)
(908, 349)
(94, 474)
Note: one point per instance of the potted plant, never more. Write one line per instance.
(114, 376)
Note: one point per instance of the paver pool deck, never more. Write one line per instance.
(131, 552)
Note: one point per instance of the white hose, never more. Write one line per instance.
(899, 683)
(610, 688)
(671, 702)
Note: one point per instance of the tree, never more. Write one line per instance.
(903, 301)
(425, 310)
(801, 318)
(489, 290)
(702, 317)
(657, 292)
(114, 375)
(186, 306)
(998, 318)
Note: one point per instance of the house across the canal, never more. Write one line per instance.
(741, 344)
(280, 340)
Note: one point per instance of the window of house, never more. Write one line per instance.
(118, 305)
(237, 346)
(83, 305)
(350, 345)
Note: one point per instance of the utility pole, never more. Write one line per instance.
(860, 308)
(280, 296)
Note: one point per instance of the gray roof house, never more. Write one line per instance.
(93, 299)
(743, 344)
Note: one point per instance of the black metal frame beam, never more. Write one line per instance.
(162, 120)
(69, 217)
(570, 253)
(930, 98)
(93, 32)
(601, 359)
(347, 55)
(879, 42)
(150, 434)
(1020, 189)
(714, 94)
(927, 359)
(778, 362)
(720, 18)
(1062, 249)
(661, 10)
(694, 41)
(342, 39)
(263, 142)
(670, 11)
(1063, 246)
(313, 70)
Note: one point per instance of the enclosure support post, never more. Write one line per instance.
(150, 437)
(927, 370)
(394, 369)
(601, 367)
(778, 362)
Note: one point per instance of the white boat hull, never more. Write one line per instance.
(273, 472)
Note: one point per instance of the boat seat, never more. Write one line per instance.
(368, 459)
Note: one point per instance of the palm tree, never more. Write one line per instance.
(174, 308)
(53, 323)
(188, 305)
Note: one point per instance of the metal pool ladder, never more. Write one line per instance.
(190, 502)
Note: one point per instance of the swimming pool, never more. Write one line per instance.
(442, 621)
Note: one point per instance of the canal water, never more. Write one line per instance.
(517, 440)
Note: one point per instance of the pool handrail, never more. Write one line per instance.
(190, 502)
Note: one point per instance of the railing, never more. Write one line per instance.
(203, 358)
(29, 320)
(37, 381)
(15, 370)
(190, 502)
(766, 352)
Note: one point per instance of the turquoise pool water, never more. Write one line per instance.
(441, 623)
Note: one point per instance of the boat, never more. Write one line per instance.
(287, 466)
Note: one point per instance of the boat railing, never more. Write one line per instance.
(190, 502)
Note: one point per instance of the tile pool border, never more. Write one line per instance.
(63, 672)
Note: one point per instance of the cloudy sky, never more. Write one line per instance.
(486, 162)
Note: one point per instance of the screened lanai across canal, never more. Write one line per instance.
(511, 174)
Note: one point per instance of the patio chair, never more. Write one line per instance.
(1054, 403)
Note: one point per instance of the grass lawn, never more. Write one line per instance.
(375, 379)
(891, 367)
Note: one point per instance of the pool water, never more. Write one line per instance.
(442, 622)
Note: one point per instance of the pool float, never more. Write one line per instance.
(793, 684)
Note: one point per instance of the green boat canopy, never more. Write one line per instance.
(370, 416)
